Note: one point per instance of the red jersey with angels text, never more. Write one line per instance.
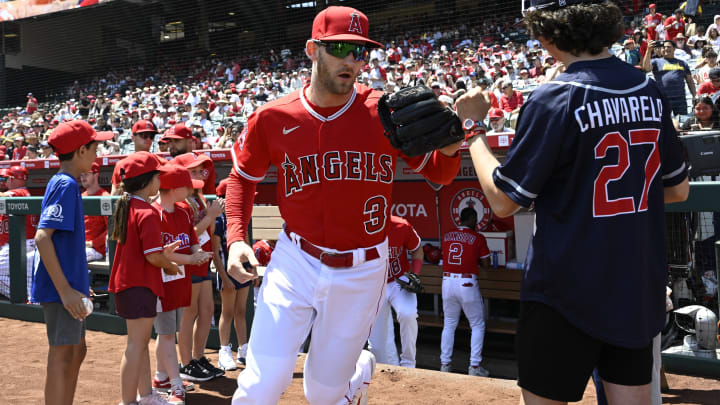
(335, 172)
(402, 239)
(130, 269)
(96, 226)
(462, 250)
(31, 221)
(176, 225)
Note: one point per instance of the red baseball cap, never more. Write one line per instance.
(496, 113)
(70, 136)
(95, 168)
(178, 176)
(652, 5)
(190, 160)
(140, 163)
(221, 188)
(178, 131)
(337, 23)
(143, 126)
(18, 172)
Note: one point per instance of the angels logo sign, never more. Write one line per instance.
(475, 199)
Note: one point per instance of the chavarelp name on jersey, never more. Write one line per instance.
(593, 150)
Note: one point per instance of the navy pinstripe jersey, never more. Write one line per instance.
(593, 150)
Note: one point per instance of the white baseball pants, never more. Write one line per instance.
(298, 295)
(5, 266)
(382, 338)
(462, 294)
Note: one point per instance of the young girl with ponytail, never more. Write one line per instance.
(135, 278)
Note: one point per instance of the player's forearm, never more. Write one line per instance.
(485, 163)
(238, 207)
(677, 193)
(441, 168)
(180, 258)
(158, 259)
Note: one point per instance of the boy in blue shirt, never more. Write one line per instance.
(60, 282)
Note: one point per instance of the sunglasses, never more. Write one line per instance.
(342, 49)
(4, 179)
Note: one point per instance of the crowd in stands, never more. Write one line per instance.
(213, 97)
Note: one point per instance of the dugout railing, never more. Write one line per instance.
(704, 197)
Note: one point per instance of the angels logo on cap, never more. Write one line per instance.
(338, 23)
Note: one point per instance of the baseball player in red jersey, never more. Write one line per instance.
(95, 225)
(15, 177)
(402, 238)
(463, 248)
(335, 174)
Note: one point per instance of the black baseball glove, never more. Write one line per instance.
(414, 285)
(416, 122)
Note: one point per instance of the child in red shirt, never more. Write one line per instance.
(195, 324)
(177, 225)
(136, 278)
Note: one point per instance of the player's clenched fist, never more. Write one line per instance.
(240, 252)
(474, 105)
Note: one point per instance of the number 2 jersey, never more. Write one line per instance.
(593, 150)
(335, 169)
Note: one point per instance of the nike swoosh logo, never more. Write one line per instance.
(287, 131)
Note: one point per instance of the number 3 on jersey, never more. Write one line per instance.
(375, 216)
(603, 206)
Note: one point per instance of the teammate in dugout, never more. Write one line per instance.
(327, 273)
(596, 152)
(15, 177)
(402, 238)
(463, 249)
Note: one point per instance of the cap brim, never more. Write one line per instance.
(173, 136)
(103, 135)
(198, 184)
(351, 37)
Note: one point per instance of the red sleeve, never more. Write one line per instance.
(494, 100)
(251, 157)
(116, 176)
(482, 246)
(412, 240)
(149, 224)
(238, 206)
(435, 166)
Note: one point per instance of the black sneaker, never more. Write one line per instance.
(193, 371)
(205, 363)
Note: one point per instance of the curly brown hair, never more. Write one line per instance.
(579, 28)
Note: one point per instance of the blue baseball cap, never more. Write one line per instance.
(551, 5)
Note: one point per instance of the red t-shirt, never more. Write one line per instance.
(263, 251)
(177, 225)
(462, 250)
(31, 221)
(19, 153)
(96, 226)
(652, 19)
(672, 32)
(707, 88)
(509, 104)
(130, 269)
(402, 238)
(203, 239)
(335, 172)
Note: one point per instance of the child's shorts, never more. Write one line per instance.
(236, 284)
(136, 302)
(62, 328)
(168, 322)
